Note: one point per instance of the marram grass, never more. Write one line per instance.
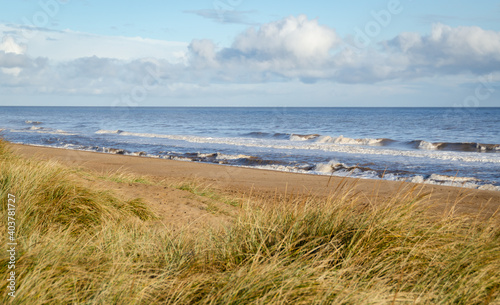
(81, 246)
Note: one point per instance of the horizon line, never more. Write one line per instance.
(53, 106)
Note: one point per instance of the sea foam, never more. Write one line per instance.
(322, 143)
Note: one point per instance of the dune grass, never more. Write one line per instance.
(199, 188)
(80, 246)
(124, 177)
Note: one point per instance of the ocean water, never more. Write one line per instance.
(452, 146)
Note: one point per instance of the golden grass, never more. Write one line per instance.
(200, 188)
(79, 246)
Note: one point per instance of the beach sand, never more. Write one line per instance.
(179, 207)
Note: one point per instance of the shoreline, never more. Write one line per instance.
(432, 179)
(246, 181)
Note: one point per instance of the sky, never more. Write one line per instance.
(387, 53)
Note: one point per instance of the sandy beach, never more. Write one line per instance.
(246, 181)
(107, 227)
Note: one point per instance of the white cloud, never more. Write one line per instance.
(203, 53)
(11, 58)
(291, 50)
(296, 38)
(299, 48)
(68, 45)
(451, 50)
(8, 45)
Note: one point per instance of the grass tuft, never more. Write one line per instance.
(204, 190)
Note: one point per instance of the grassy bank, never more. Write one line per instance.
(77, 245)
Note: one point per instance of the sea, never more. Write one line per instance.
(449, 146)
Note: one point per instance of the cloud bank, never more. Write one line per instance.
(295, 48)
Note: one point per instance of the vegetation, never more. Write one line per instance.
(198, 188)
(80, 246)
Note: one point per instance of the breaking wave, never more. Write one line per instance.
(109, 131)
(415, 144)
(335, 168)
(303, 137)
(36, 129)
(323, 143)
(219, 158)
(350, 141)
(465, 146)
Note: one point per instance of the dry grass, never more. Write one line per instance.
(78, 246)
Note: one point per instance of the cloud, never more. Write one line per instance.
(444, 51)
(12, 57)
(69, 45)
(435, 18)
(294, 49)
(296, 38)
(300, 48)
(13, 60)
(224, 16)
(8, 45)
(450, 50)
(88, 75)
(203, 53)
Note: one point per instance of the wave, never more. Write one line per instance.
(303, 137)
(139, 153)
(445, 178)
(219, 158)
(33, 122)
(467, 182)
(257, 134)
(314, 137)
(415, 144)
(334, 168)
(260, 135)
(35, 129)
(138, 134)
(109, 131)
(345, 140)
(116, 151)
(216, 157)
(316, 145)
(453, 146)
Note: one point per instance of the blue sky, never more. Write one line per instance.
(250, 53)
